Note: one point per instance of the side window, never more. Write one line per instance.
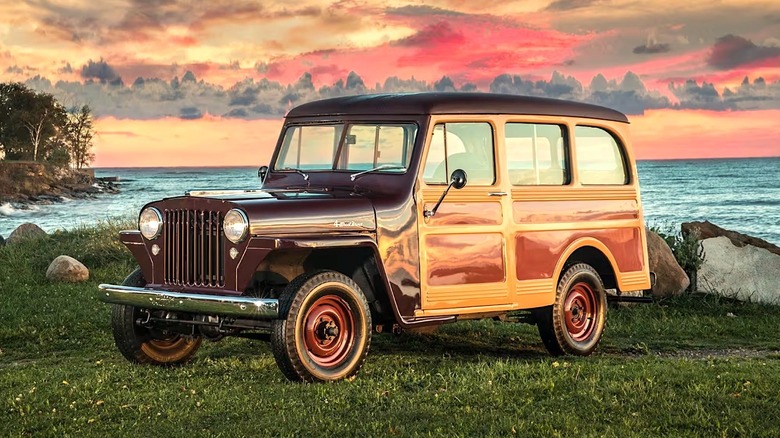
(467, 146)
(536, 154)
(600, 159)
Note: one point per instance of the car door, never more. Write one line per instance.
(463, 257)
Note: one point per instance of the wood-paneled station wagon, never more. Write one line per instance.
(395, 211)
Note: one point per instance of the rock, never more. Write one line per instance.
(2, 240)
(65, 268)
(23, 232)
(706, 230)
(742, 272)
(671, 279)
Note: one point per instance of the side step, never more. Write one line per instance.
(628, 299)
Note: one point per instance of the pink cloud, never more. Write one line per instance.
(466, 48)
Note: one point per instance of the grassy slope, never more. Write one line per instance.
(681, 367)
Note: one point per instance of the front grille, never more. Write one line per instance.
(193, 248)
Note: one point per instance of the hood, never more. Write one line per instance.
(293, 211)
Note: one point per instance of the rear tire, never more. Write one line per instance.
(324, 330)
(139, 344)
(575, 323)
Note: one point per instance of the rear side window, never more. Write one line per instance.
(536, 154)
(600, 159)
(467, 146)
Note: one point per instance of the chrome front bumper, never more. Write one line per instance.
(240, 307)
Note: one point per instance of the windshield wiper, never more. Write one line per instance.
(304, 175)
(382, 167)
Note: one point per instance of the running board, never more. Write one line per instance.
(629, 299)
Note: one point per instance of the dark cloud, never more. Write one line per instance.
(558, 87)
(14, 69)
(188, 98)
(65, 69)
(566, 5)
(99, 70)
(436, 33)
(695, 96)
(421, 11)
(732, 51)
(651, 49)
(756, 96)
(190, 113)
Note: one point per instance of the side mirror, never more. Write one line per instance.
(262, 172)
(458, 180)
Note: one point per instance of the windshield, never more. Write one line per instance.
(363, 146)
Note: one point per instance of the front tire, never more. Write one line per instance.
(575, 323)
(141, 345)
(324, 330)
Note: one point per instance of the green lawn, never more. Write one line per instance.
(679, 367)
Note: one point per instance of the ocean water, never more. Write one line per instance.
(737, 194)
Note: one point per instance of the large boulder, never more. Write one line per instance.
(743, 272)
(706, 230)
(671, 279)
(23, 232)
(68, 269)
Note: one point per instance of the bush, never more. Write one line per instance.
(686, 249)
(59, 157)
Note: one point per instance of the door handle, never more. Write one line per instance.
(497, 194)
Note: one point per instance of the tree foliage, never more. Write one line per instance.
(34, 126)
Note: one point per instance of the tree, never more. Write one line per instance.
(80, 133)
(31, 123)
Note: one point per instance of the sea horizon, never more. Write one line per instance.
(739, 194)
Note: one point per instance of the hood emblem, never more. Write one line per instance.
(341, 224)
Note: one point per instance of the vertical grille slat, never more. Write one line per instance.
(193, 248)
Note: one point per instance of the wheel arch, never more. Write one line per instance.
(594, 253)
(356, 257)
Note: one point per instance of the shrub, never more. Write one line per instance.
(687, 250)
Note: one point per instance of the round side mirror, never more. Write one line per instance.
(262, 172)
(458, 178)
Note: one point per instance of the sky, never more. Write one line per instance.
(183, 83)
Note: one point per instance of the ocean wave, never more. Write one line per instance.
(8, 209)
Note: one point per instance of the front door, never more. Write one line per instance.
(463, 251)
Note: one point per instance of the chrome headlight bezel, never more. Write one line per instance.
(148, 217)
(235, 225)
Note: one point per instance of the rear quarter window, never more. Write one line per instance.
(601, 159)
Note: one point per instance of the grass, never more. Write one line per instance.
(680, 367)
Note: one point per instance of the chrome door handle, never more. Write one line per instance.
(497, 194)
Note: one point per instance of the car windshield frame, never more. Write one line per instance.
(339, 150)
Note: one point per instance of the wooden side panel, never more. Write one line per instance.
(464, 259)
(538, 252)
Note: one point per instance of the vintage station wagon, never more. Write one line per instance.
(395, 212)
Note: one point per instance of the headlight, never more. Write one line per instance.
(236, 225)
(150, 223)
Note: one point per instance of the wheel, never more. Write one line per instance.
(575, 322)
(141, 345)
(324, 330)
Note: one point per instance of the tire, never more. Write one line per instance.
(139, 344)
(575, 323)
(324, 328)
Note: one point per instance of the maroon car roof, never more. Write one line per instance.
(452, 103)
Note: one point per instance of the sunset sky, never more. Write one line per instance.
(207, 83)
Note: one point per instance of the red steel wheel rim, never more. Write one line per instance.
(580, 311)
(328, 331)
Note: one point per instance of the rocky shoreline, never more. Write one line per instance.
(24, 184)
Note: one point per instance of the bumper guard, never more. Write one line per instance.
(241, 307)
